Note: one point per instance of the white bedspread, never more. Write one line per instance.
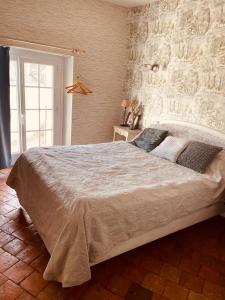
(84, 200)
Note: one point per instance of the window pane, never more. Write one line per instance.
(32, 120)
(13, 72)
(31, 98)
(46, 76)
(13, 98)
(46, 98)
(46, 119)
(15, 142)
(14, 120)
(32, 139)
(31, 74)
(46, 138)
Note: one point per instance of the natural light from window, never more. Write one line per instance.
(38, 85)
(36, 111)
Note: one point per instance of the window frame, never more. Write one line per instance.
(29, 56)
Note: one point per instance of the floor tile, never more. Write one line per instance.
(196, 296)
(14, 246)
(10, 227)
(13, 202)
(40, 263)
(173, 291)
(154, 283)
(152, 264)
(22, 233)
(35, 240)
(3, 220)
(218, 265)
(96, 292)
(170, 272)
(28, 254)
(18, 272)
(26, 296)
(53, 291)
(137, 292)
(3, 279)
(5, 208)
(189, 265)
(10, 291)
(158, 297)
(134, 274)
(34, 283)
(101, 273)
(209, 274)
(14, 214)
(191, 282)
(5, 238)
(213, 291)
(6, 261)
(119, 285)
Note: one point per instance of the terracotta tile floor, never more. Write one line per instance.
(189, 264)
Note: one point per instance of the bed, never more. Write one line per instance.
(92, 202)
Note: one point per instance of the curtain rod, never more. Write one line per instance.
(31, 45)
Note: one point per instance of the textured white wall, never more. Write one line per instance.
(187, 39)
(98, 27)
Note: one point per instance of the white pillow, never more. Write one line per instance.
(170, 148)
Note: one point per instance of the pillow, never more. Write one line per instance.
(170, 148)
(197, 156)
(149, 138)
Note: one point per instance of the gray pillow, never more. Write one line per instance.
(149, 138)
(197, 156)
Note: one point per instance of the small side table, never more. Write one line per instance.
(125, 132)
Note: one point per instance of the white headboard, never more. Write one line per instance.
(192, 132)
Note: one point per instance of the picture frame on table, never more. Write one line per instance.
(133, 124)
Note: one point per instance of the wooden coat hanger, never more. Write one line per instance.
(78, 88)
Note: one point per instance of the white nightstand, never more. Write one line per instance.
(125, 132)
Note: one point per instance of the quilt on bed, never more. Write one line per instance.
(84, 200)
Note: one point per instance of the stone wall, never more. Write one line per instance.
(187, 39)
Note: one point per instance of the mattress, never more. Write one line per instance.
(85, 200)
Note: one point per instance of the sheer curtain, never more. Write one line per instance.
(5, 147)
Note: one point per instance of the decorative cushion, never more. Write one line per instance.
(149, 138)
(197, 156)
(170, 148)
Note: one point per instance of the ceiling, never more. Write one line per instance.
(129, 3)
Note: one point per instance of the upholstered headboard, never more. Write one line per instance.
(193, 132)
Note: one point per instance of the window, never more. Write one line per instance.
(36, 86)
